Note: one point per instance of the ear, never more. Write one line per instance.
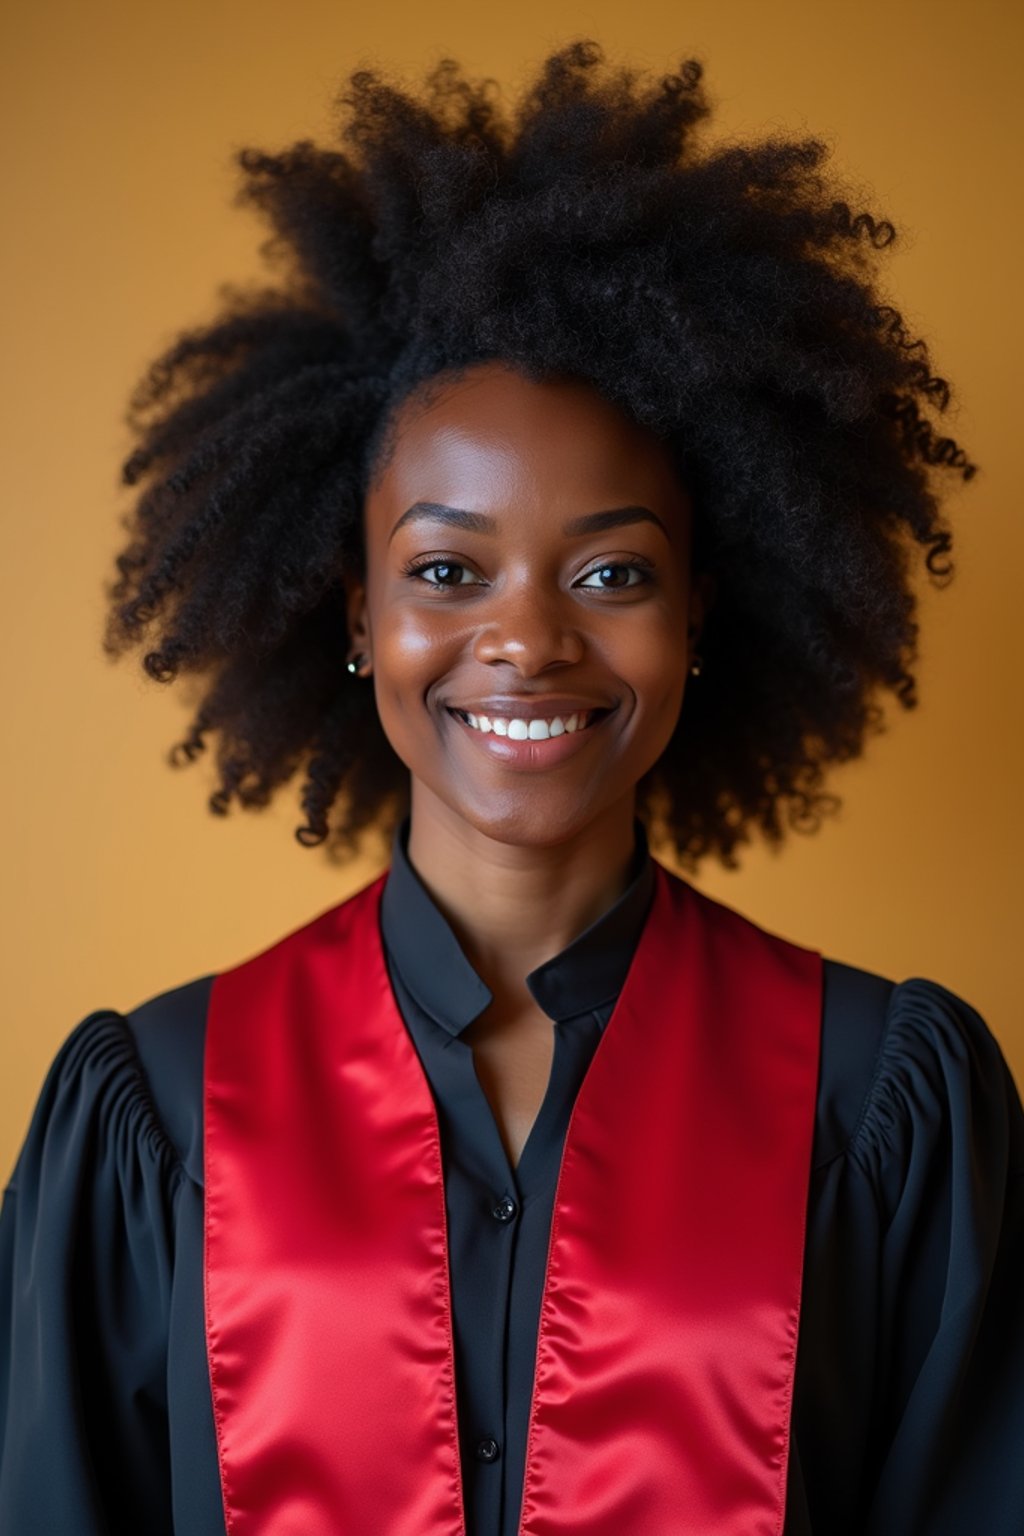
(703, 590)
(356, 616)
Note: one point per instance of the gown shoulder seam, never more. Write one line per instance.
(155, 1123)
(151, 1121)
(849, 1146)
(874, 1088)
(121, 1063)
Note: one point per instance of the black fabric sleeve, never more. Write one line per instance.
(86, 1240)
(942, 1144)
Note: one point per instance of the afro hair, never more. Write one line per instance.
(725, 297)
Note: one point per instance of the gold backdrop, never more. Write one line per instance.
(121, 120)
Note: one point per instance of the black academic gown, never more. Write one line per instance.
(908, 1412)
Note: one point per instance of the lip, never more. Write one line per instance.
(530, 755)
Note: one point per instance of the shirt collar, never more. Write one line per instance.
(589, 972)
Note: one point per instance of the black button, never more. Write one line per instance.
(505, 1209)
(487, 1450)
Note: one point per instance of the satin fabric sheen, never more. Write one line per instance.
(669, 1323)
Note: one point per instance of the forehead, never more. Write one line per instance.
(494, 436)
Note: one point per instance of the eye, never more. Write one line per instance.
(614, 577)
(448, 573)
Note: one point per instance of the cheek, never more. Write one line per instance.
(663, 676)
(412, 649)
(650, 657)
(660, 702)
(407, 642)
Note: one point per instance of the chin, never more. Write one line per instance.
(529, 820)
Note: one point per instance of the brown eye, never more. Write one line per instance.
(614, 577)
(447, 573)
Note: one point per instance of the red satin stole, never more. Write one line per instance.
(668, 1332)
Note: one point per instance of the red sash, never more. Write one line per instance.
(668, 1331)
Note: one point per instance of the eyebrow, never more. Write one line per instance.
(480, 522)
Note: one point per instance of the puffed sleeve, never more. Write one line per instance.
(85, 1261)
(942, 1139)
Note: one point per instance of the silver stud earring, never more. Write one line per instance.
(696, 665)
(356, 663)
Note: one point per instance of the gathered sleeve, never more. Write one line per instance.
(86, 1250)
(941, 1141)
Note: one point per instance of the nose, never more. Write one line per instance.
(529, 629)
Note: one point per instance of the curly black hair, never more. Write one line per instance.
(724, 297)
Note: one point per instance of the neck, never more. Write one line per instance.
(514, 907)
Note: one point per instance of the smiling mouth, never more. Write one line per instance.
(516, 728)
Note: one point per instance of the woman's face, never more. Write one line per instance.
(526, 603)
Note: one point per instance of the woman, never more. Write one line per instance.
(565, 491)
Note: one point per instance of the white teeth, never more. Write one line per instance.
(528, 730)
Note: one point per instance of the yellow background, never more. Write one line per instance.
(120, 122)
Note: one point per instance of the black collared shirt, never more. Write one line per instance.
(499, 1216)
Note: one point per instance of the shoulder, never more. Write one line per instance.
(167, 1031)
(910, 1069)
(94, 1118)
(855, 1013)
(902, 1063)
(124, 1086)
(169, 1035)
(942, 1081)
